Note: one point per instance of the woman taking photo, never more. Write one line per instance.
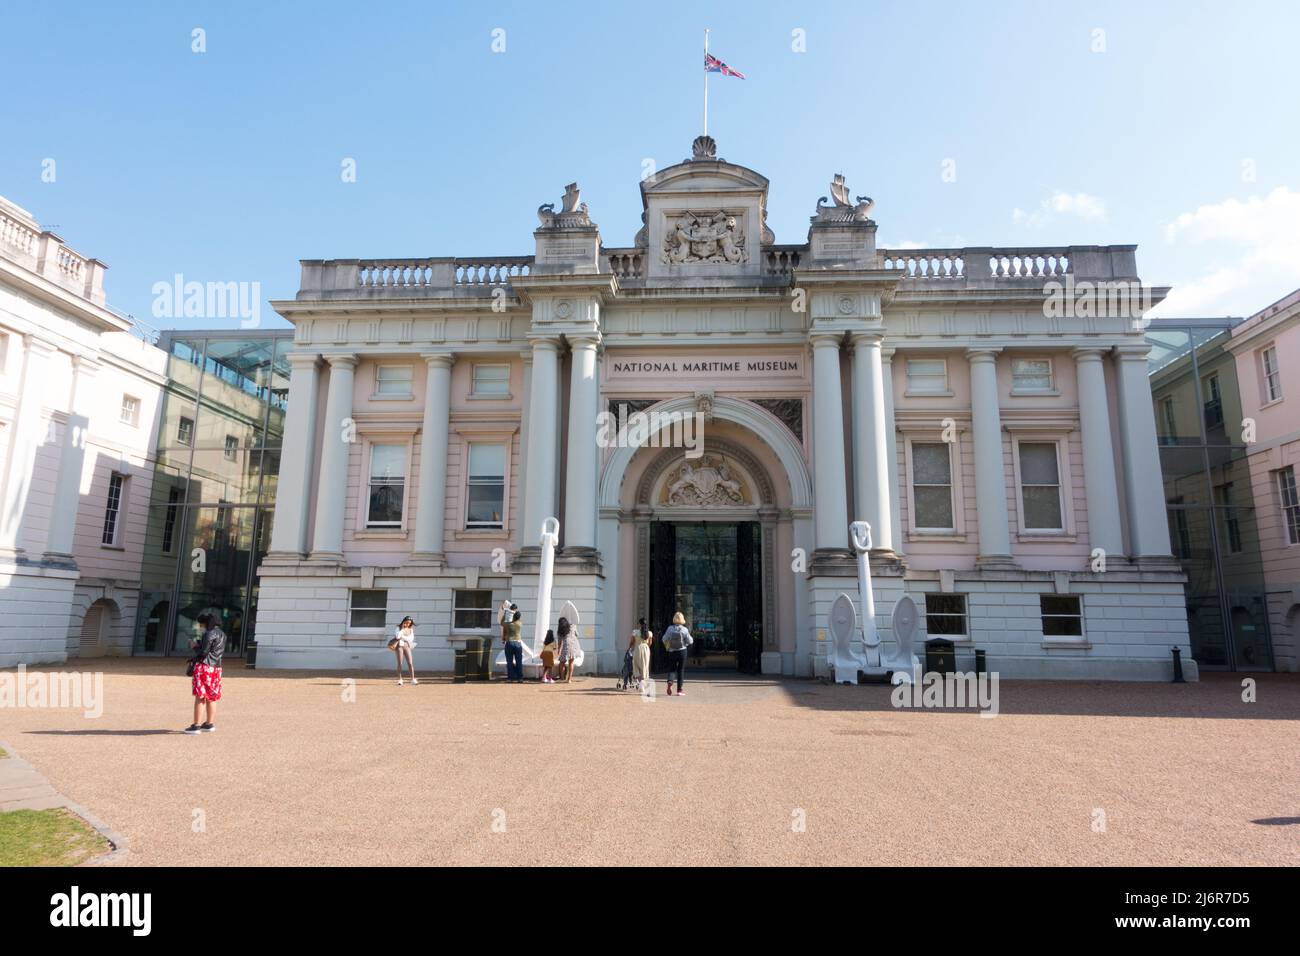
(205, 684)
(677, 639)
(401, 644)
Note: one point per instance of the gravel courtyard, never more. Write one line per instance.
(741, 770)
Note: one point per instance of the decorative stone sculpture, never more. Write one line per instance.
(572, 214)
(845, 663)
(843, 210)
(704, 147)
(900, 661)
(707, 237)
(860, 535)
(708, 483)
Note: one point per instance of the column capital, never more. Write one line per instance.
(887, 352)
(545, 343)
(1089, 353)
(87, 365)
(439, 359)
(342, 359)
(872, 337)
(825, 339)
(42, 347)
(983, 353)
(1133, 353)
(583, 340)
(308, 360)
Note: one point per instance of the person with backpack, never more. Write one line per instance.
(677, 639)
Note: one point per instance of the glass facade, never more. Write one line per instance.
(217, 458)
(1212, 519)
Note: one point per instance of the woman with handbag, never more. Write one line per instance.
(401, 644)
(205, 673)
(677, 639)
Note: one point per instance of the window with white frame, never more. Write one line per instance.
(1290, 503)
(130, 413)
(1270, 373)
(486, 486)
(932, 486)
(113, 509)
(927, 376)
(491, 380)
(387, 489)
(231, 449)
(367, 610)
(185, 431)
(393, 381)
(945, 615)
(1062, 615)
(1031, 375)
(1040, 486)
(471, 610)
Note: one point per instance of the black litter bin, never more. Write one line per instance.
(940, 657)
(458, 668)
(250, 655)
(485, 659)
(981, 663)
(473, 654)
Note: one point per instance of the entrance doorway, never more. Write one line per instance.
(711, 571)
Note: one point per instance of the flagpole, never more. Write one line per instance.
(706, 84)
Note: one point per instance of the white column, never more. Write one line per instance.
(891, 449)
(1098, 453)
(525, 428)
(1143, 479)
(25, 437)
(580, 473)
(297, 461)
(829, 487)
(871, 457)
(336, 444)
(435, 433)
(543, 424)
(72, 458)
(990, 468)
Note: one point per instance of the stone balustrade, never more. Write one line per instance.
(782, 260)
(988, 267)
(624, 263)
(22, 241)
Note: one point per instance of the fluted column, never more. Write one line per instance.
(543, 424)
(831, 518)
(990, 467)
(331, 492)
(1143, 480)
(1098, 453)
(25, 436)
(297, 461)
(580, 473)
(431, 499)
(72, 458)
(871, 456)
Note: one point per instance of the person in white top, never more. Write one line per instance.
(401, 644)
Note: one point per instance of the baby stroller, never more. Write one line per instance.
(625, 679)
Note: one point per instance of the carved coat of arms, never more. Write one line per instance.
(706, 482)
(708, 237)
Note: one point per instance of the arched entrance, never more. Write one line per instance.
(710, 536)
(97, 628)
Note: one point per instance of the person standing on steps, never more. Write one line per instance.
(677, 641)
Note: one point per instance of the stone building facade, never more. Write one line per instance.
(1001, 445)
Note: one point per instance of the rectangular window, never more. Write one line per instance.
(387, 486)
(945, 615)
(367, 610)
(185, 431)
(1168, 416)
(486, 487)
(130, 413)
(1180, 535)
(232, 448)
(1040, 486)
(471, 611)
(393, 380)
(927, 376)
(1031, 375)
(1231, 523)
(1271, 373)
(174, 496)
(1290, 503)
(491, 380)
(932, 486)
(1213, 401)
(113, 510)
(1062, 615)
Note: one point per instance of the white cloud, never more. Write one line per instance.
(1080, 205)
(1256, 243)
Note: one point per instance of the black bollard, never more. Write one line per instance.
(1178, 666)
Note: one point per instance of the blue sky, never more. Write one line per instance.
(1173, 128)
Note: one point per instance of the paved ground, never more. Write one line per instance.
(296, 774)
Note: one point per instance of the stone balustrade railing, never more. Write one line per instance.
(988, 267)
(44, 253)
(624, 263)
(782, 260)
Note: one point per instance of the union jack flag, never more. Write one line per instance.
(713, 65)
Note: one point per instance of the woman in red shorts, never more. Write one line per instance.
(206, 684)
